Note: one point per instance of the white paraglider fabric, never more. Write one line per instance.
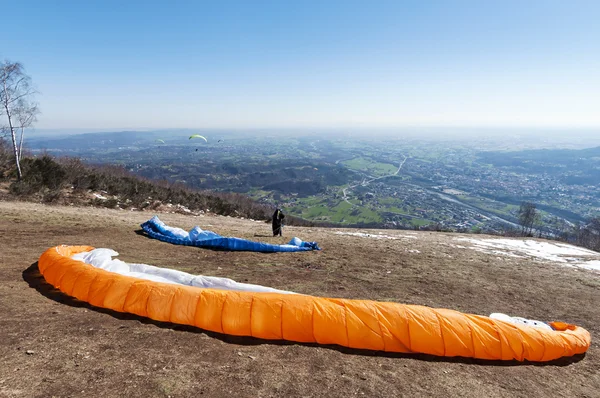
(520, 321)
(102, 258)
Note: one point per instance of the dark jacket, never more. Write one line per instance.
(278, 217)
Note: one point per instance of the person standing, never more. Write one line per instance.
(278, 217)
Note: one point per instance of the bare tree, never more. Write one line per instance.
(17, 103)
(588, 235)
(527, 217)
(25, 114)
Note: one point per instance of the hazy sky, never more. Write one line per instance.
(149, 64)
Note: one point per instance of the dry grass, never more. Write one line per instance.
(85, 351)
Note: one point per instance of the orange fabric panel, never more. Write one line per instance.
(59, 271)
(394, 326)
(512, 346)
(554, 346)
(160, 302)
(363, 325)
(100, 286)
(209, 310)
(297, 319)
(237, 315)
(49, 269)
(424, 330)
(454, 329)
(359, 324)
(69, 279)
(265, 318)
(485, 337)
(137, 298)
(329, 322)
(185, 301)
(533, 344)
(82, 287)
(117, 294)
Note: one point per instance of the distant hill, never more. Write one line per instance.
(558, 162)
(523, 158)
(94, 140)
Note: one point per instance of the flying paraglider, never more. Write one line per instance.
(198, 136)
(160, 141)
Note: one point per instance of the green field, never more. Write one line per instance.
(319, 209)
(372, 167)
(499, 208)
(419, 222)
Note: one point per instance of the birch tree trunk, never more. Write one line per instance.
(14, 142)
(21, 143)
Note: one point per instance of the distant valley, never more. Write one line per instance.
(458, 185)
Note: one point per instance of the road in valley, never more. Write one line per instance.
(366, 182)
(448, 198)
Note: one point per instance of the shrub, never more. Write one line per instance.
(6, 159)
(39, 174)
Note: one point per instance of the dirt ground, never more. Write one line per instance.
(53, 345)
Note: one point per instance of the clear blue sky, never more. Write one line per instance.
(149, 64)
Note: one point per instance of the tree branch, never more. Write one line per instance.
(11, 101)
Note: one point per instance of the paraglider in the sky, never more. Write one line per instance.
(160, 141)
(198, 136)
(219, 141)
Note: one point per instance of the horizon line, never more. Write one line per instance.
(404, 127)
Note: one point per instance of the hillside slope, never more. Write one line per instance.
(53, 345)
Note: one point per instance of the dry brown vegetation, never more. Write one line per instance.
(53, 345)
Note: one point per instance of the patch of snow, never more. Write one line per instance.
(379, 236)
(183, 208)
(593, 265)
(559, 253)
(503, 253)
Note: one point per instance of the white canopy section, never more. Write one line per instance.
(102, 258)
